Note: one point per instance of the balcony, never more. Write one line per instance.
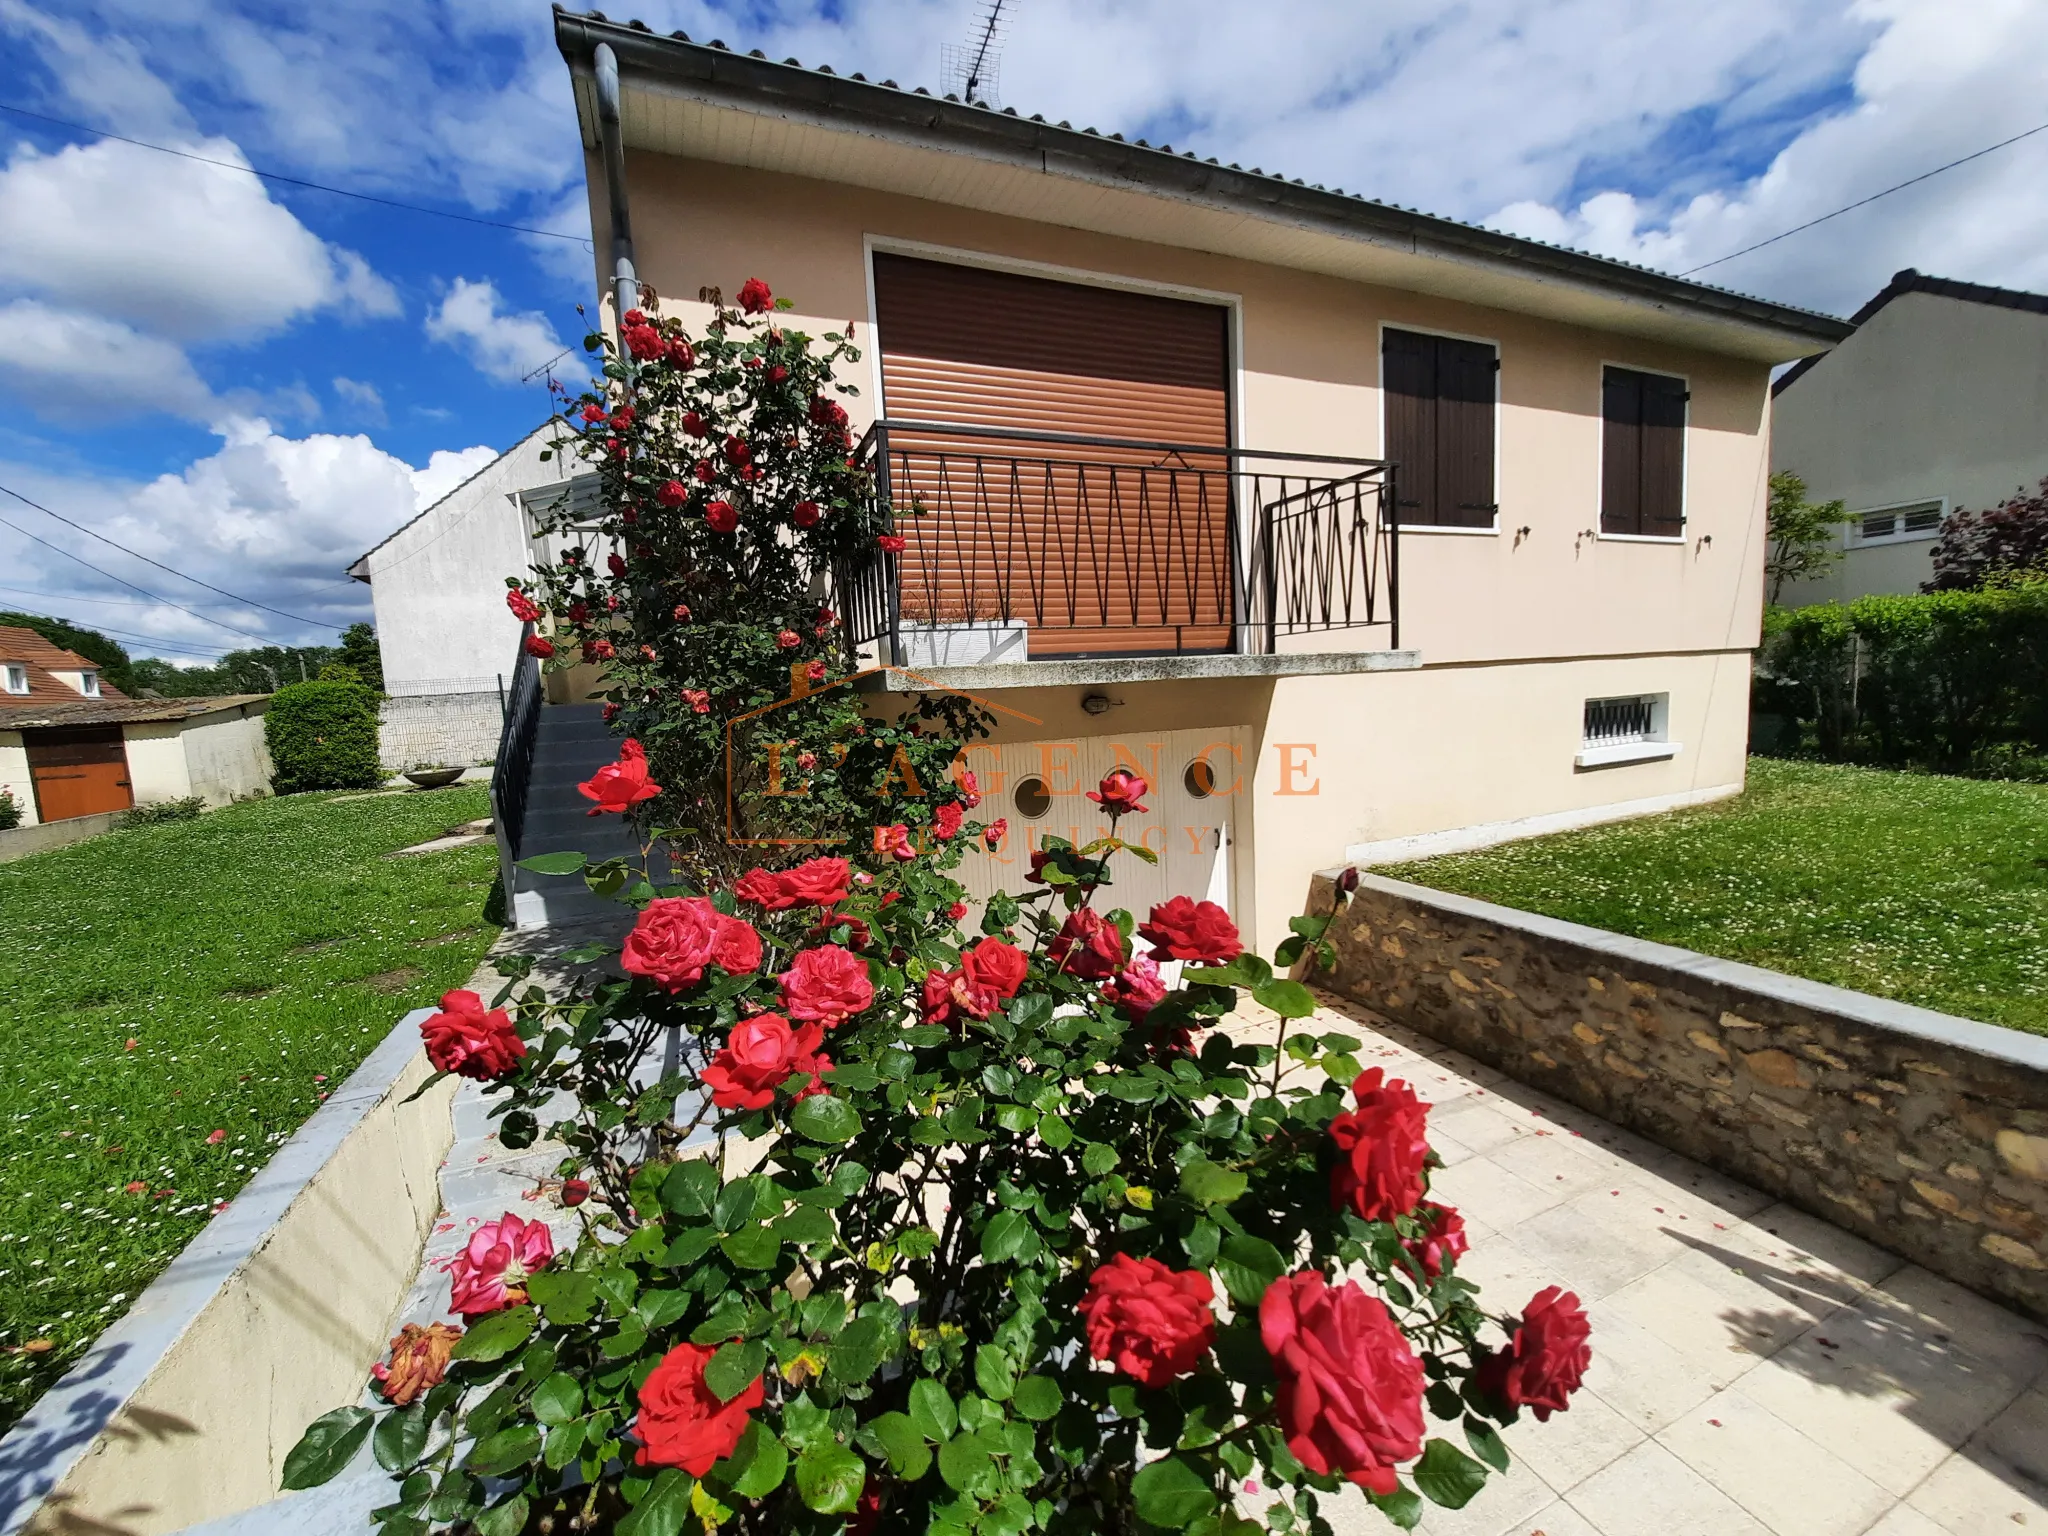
(1048, 546)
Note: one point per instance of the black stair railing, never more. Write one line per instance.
(514, 771)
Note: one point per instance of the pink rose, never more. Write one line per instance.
(465, 1039)
(490, 1273)
(827, 984)
(678, 937)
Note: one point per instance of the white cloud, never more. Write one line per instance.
(65, 364)
(362, 399)
(503, 346)
(274, 518)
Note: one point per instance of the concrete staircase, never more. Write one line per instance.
(572, 742)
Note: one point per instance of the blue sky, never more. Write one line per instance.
(254, 383)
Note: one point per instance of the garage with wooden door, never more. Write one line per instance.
(78, 770)
(1103, 547)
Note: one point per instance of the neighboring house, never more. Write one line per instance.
(1938, 403)
(1200, 569)
(438, 588)
(73, 745)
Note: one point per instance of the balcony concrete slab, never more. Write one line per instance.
(1134, 669)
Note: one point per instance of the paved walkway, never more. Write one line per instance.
(1754, 1369)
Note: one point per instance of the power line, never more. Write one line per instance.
(293, 181)
(249, 602)
(195, 613)
(1864, 202)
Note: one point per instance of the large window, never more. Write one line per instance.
(1440, 415)
(1642, 470)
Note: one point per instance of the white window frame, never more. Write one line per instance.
(13, 678)
(1490, 530)
(1656, 746)
(89, 684)
(1600, 532)
(1898, 512)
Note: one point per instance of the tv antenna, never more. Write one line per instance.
(973, 69)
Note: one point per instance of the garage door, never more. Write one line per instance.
(1093, 549)
(78, 771)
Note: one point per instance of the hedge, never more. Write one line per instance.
(1955, 682)
(323, 735)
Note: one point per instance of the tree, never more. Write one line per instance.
(359, 650)
(1800, 534)
(112, 658)
(1975, 546)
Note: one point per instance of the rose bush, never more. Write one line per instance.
(885, 1225)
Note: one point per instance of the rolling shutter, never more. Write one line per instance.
(1095, 549)
(1440, 427)
(1642, 475)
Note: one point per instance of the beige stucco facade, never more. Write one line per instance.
(220, 757)
(1935, 399)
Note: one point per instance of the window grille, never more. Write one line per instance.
(1613, 722)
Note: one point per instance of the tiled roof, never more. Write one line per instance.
(26, 648)
(32, 712)
(1909, 280)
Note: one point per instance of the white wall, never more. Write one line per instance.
(221, 757)
(14, 775)
(438, 584)
(156, 761)
(1932, 398)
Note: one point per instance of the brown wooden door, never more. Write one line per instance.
(1095, 549)
(78, 771)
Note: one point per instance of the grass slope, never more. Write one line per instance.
(162, 985)
(1930, 890)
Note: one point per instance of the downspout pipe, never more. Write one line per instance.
(612, 143)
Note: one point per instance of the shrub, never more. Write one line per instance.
(156, 812)
(1976, 547)
(1955, 681)
(10, 810)
(323, 735)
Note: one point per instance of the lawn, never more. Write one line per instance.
(1926, 889)
(174, 1002)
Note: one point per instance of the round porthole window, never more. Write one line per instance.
(1033, 799)
(1200, 779)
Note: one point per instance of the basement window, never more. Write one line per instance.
(16, 679)
(1635, 729)
(1899, 525)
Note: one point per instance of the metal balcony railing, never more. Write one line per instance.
(1053, 544)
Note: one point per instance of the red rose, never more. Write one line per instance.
(957, 911)
(755, 298)
(592, 410)
(617, 564)
(575, 1192)
(721, 517)
(1546, 1359)
(465, 1039)
(673, 493)
(995, 833)
(1120, 792)
(1136, 988)
(1382, 1148)
(678, 937)
(788, 639)
(694, 425)
(619, 786)
(946, 820)
(644, 342)
(994, 965)
(682, 1422)
(970, 788)
(1350, 1393)
(1189, 930)
(1037, 870)
(1153, 1322)
(894, 843)
(1088, 946)
(805, 514)
(540, 645)
(950, 996)
(737, 452)
(698, 700)
(634, 316)
(1443, 1239)
(523, 607)
(705, 471)
(814, 673)
(682, 354)
(680, 613)
(763, 888)
(597, 650)
(622, 419)
(818, 882)
(760, 1055)
(892, 542)
(777, 373)
(827, 984)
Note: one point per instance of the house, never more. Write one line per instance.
(438, 588)
(1364, 533)
(1938, 402)
(71, 744)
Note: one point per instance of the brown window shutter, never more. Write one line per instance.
(1465, 409)
(1663, 476)
(1408, 369)
(1621, 456)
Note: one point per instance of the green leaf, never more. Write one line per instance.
(752, 1247)
(1486, 1443)
(664, 1508)
(497, 1454)
(966, 1463)
(758, 1463)
(931, 1409)
(806, 1224)
(856, 1077)
(857, 1353)
(690, 1187)
(1208, 1183)
(1246, 1266)
(329, 1444)
(1055, 1132)
(1008, 1236)
(1444, 1401)
(1289, 999)
(918, 1243)
(825, 1117)
(505, 1518)
(1030, 1010)
(1447, 1476)
(563, 1442)
(1201, 1243)
(400, 1437)
(497, 1335)
(909, 1457)
(691, 1244)
(995, 1372)
(554, 863)
(735, 1205)
(830, 1477)
(1401, 1507)
(558, 1399)
(1171, 1494)
(1037, 1397)
(735, 1367)
(1098, 1158)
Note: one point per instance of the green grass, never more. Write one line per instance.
(161, 984)
(1930, 890)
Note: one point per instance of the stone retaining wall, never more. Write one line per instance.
(1920, 1131)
